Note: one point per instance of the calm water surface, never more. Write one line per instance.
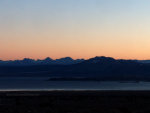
(42, 83)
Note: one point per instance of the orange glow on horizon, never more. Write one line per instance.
(75, 28)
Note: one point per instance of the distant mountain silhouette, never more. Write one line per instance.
(61, 61)
(97, 68)
(46, 61)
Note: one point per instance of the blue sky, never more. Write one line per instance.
(76, 28)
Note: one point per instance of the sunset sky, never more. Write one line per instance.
(75, 28)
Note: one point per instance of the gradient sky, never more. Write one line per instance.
(76, 28)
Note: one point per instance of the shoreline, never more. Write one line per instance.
(86, 92)
(72, 90)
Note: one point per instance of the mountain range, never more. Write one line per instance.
(97, 68)
(46, 61)
(49, 61)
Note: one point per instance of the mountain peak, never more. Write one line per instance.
(48, 59)
(98, 59)
(66, 58)
(27, 59)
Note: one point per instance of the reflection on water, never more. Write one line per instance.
(42, 83)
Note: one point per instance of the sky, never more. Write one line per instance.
(76, 28)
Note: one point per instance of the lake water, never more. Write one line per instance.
(42, 83)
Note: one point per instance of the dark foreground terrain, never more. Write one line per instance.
(75, 102)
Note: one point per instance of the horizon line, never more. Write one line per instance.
(70, 57)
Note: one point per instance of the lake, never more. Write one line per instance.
(42, 83)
